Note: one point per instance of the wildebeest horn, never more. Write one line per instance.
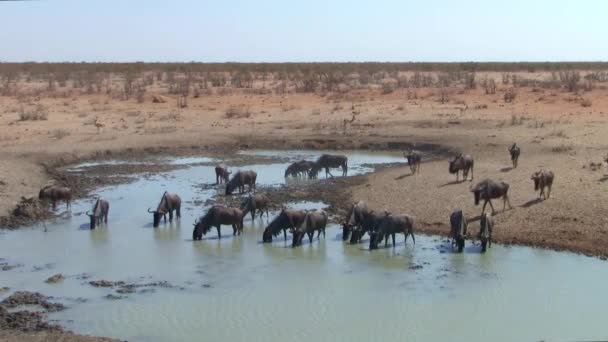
(150, 211)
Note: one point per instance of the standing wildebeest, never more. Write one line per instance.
(414, 159)
(542, 179)
(254, 204)
(217, 216)
(168, 203)
(314, 220)
(298, 169)
(327, 161)
(221, 174)
(514, 151)
(239, 180)
(464, 163)
(488, 189)
(56, 193)
(458, 231)
(486, 223)
(99, 213)
(287, 219)
(390, 225)
(354, 219)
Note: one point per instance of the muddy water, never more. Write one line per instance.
(238, 289)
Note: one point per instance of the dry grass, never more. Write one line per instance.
(38, 113)
(237, 112)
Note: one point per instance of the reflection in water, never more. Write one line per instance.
(239, 289)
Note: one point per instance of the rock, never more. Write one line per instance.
(112, 296)
(106, 283)
(55, 279)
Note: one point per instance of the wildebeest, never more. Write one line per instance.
(390, 225)
(458, 229)
(487, 190)
(55, 193)
(99, 213)
(327, 161)
(168, 204)
(354, 219)
(217, 216)
(255, 203)
(464, 163)
(298, 169)
(414, 159)
(542, 179)
(514, 151)
(486, 224)
(240, 179)
(287, 219)
(313, 220)
(221, 174)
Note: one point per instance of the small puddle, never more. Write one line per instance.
(239, 289)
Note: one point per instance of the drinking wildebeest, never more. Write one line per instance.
(486, 224)
(464, 163)
(327, 161)
(488, 189)
(514, 151)
(298, 169)
(99, 213)
(414, 159)
(314, 220)
(217, 216)
(354, 219)
(55, 193)
(239, 180)
(254, 204)
(390, 225)
(221, 174)
(168, 204)
(542, 179)
(458, 231)
(287, 219)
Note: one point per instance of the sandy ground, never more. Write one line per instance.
(551, 126)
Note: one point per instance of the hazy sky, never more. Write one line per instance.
(310, 30)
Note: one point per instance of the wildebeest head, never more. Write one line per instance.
(536, 178)
(156, 216)
(271, 229)
(230, 188)
(373, 240)
(93, 219)
(347, 229)
(453, 168)
(298, 235)
(476, 190)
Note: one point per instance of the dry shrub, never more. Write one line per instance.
(59, 134)
(510, 95)
(36, 114)
(387, 88)
(237, 112)
(586, 103)
(563, 148)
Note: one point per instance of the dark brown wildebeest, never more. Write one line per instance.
(327, 161)
(255, 203)
(168, 204)
(99, 213)
(458, 229)
(55, 193)
(314, 220)
(542, 179)
(487, 190)
(239, 180)
(514, 151)
(217, 216)
(414, 159)
(354, 219)
(371, 222)
(221, 174)
(287, 219)
(390, 225)
(486, 224)
(298, 169)
(464, 163)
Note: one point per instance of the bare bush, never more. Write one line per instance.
(59, 134)
(490, 86)
(570, 79)
(387, 88)
(237, 112)
(510, 95)
(36, 114)
(586, 103)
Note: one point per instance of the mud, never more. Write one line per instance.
(21, 298)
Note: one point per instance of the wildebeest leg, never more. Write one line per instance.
(219, 234)
(171, 216)
(549, 191)
(310, 236)
(328, 172)
(472, 174)
(393, 236)
(285, 234)
(323, 233)
(234, 229)
(507, 200)
(318, 234)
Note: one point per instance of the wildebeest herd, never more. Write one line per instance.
(360, 218)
